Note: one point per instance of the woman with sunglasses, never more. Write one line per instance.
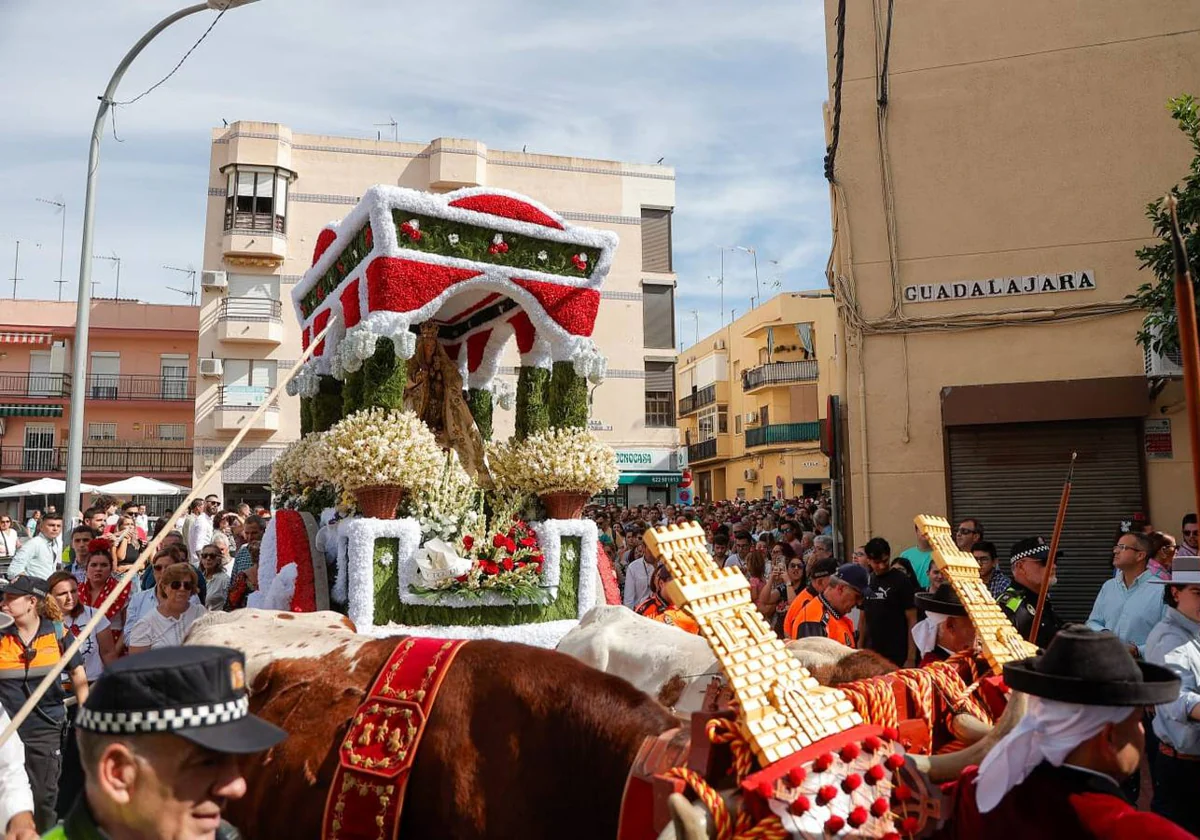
(785, 583)
(212, 565)
(99, 581)
(166, 625)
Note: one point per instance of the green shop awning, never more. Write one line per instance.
(10, 410)
(650, 478)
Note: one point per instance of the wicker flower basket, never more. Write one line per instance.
(379, 501)
(565, 504)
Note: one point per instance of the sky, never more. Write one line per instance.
(731, 99)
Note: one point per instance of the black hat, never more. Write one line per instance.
(1032, 548)
(1092, 669)
(26, 585)
(823, 568)
(856, 577)
(943, 601)
(195, 692)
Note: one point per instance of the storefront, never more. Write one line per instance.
(648, 476)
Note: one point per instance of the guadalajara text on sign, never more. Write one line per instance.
(1031, 284)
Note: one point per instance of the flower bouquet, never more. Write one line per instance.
(297, 476)
(378, 456)
(564, 467)
(450, 507)
(509, 563)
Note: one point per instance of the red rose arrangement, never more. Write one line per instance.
(508, 562)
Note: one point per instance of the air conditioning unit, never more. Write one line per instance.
(211, 367)
(214, 280)
(719, 344)
(751, 418)
(1158, 365)
(750, 475)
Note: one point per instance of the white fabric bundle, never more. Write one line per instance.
(924, 632)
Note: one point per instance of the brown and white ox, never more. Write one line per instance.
(522, 742)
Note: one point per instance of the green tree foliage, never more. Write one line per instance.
(568, 397)
(1160, 330)
(480, 403)
(532, 394)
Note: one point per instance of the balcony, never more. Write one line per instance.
(124, 388)
(250, 321)
(779, 373)
(235, 404)
(116, 459)
(38, 385)
(709, 394)
(708, 450)
(783, 433)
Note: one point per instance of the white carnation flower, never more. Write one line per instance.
(542, 256)
(404, 343)
(453, 238)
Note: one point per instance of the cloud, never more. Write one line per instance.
(731, 98)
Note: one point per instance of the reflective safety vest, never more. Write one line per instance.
(22, 668)
(817, 618)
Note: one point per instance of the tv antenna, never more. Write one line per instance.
(395, 127)
(116, 261)
(191, 273)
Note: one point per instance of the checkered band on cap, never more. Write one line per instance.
(1029, 552)
(162, 720)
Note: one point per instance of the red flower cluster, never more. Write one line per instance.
(369, 237)
(413, 234)
(512, 549)
(579, 261)
(498, 248)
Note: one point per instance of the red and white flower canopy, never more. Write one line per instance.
(486, 265)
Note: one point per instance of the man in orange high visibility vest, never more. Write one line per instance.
(828, 614)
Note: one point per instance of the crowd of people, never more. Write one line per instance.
(54, 583)
(900, 606)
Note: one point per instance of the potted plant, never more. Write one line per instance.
(564, 467)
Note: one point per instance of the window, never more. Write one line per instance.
(106, 376)
(737, 424)
(656, 240)
(658, 316)
(172, 431)
(102, 431)
(247, 381)
(713, 421)
(722, 420)
(660, 394)
(256, 198)
(173, 371)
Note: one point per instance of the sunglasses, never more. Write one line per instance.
(967, 531)
(181, 584)
(210, 554)
(795, 565)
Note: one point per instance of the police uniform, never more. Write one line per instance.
(196, 693)
(1019, 602)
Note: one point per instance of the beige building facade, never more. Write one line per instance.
(986, 218)
(753, 399)
(271, 191)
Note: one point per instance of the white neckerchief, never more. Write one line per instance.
(1048, 732)
(924, 632)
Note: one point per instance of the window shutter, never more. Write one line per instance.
(658, 316)
(656, 240)
(660, 376)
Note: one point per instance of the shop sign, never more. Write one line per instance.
(646, 460)
(1030, 284)
(1157, 440)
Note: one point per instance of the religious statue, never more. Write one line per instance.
(435, 393)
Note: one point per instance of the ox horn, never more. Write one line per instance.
(688, 821)
(945, 768)
(968, 728)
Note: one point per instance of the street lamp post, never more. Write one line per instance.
(84, 298)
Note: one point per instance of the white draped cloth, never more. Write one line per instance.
(925, 632)
(1049, 731)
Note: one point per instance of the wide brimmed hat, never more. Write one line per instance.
(1184, 570)
(1091, 669)
(195, 692)
(943, 601)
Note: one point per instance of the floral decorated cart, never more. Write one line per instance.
(440, 530)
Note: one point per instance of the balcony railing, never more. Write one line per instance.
(244, 396)
(35, 384)
(250, 309)
(129, 460)
(112, 386)
(705, 396)
(702, 451)
(783, 433)
(779, 373)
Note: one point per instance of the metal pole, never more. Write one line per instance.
(757, 290)
(62, 252)
(16, 265)
(118, 294)
(84, 298)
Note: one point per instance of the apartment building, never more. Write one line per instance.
(753, 400)
(270, 193)
(139, 391)
(992, 165)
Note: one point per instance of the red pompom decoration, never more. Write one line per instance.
(834, 824)
(894, 761)
(871, 743)
(902, 793)
(857, 817)
(823, 762)
(879, 807)
(891, 733)
(100, 545)
(827, 793)
(800, 805)
(875, 774)
(891, 835)
(852, 783)
(765, 789)
(909, 825)
(850, 752)
(796, 776)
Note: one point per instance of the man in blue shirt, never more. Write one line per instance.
(1128, 606)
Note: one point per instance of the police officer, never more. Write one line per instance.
(1019, 601)
(159, 738)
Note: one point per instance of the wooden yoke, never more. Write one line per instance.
(781, 708)
(997, 636)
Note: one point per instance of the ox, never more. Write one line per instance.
(522, 742)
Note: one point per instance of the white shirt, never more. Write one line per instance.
(156, 630)
(36, 558)
(90, 649)
(10, 541)
(733, 562)
(141, 603)
(143, 522)
(637, 583)
(199, 535)
(15, 794)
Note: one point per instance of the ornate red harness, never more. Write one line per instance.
(377, 753)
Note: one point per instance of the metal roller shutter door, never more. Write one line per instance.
(1011, 477)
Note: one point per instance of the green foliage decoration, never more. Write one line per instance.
(352, 392)
(327, 404)
(384, 377)
(480, 403)
(533, 413)
(568, 397)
